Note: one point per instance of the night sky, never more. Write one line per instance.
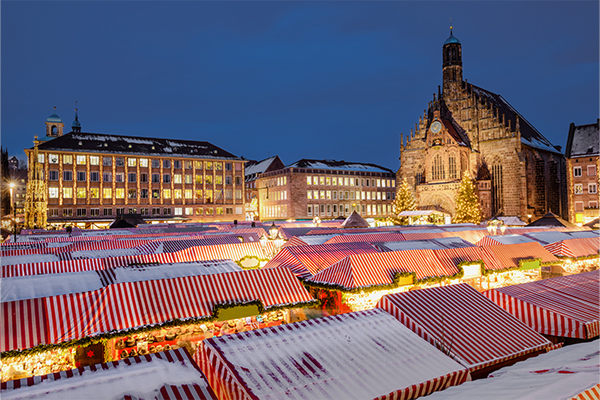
(324, 80)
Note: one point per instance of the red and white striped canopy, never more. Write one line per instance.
(130, 305)
(363, 270)
(476, 331)
(574, 248)
(128, 379)
(427, 235)
(471, 236)
(306, 261)
(488, 241)
(368, 238)
(509, 255)
(452, 257)
(566, 306)
(360, 355)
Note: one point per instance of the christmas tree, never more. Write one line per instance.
(467, 203)
(404, 202)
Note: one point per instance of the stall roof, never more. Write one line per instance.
(548, 236)
(566, 306)
(458, 319)
(433, 244)
(360, 355)
(510, 254)
(563, 374)
(504, 239)
(306, 261)
(166, 375)
(575, 248)
(450, 258)
(363, 270)
(368, 237)
(36, 286)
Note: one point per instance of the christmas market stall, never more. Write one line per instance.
(559, 308)
(354, 356)
(579, 255)
(165, 375)
(467, 326)
(568, 373)
(138, 316)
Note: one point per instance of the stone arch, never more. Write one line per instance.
(441, 201)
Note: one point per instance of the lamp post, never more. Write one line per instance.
(12, 202)
(275, 238)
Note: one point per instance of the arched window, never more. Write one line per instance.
(53, 130)
(437, 168)
(497, 192)
(452, 174)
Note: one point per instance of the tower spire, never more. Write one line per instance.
(76, 126)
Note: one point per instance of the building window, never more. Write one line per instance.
(591, 170)
(219, 166)
(144, 211)
(497, 188)
(119, 176)
(166, 178)
(579, 206)
(132, 211)
(119, 161)
(155, 163)
(593, 204)
(81, 193)
(155, 178)
(155, 193)
(576, 171)
(131, 162)
(177, 178)
(143, 162)
(189, 194)
(592, 188)
(94, 193)
(107, 193)
(81, 212)
(156, 211)
(209, 166)
(81, 176)
(177, 164)
(67, 175)
(228, 180)
(437, 168)
(199, 211)
(238, 180)
(198, 193)
(166, 193)
(120, 193)
(198, 164)
(166, 163)
(67, 193)
(131, 177)
(219, 210)
(120, 211)
(177, 193)
(107, 177)
(144, 178)
(108, 212)
(94, 160)
(199, 179)
(218, 179)
(143, 193)
(188, 179)
(238, 194)
(188, 165)
(209, 179)
(178, 211)
(67, 212)
(94, 212)
(578, 189)
(94, 176)
(53, 193)
(228, 166)
(52, 175)
(67, 159)
(452, 167)
(53, 212)
(107, 162)
(189, 211)
(53, 158)
(132, 193)
(209, 211)
(80, 161)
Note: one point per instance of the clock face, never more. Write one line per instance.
(436, 126)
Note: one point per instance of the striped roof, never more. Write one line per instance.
(575, 248)
(476, 331)
(151, 376)
(131, 305)
(363, 270)
(368, 237)
(509, 255)
(565, 306)
(306, 261)
(452, 257)
(360, 355)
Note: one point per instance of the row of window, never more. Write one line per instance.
(332, 210)
(344, 181)
(580, 204)
(108, 212)
(142, 162)
(592, 188)
(591, 171)
(348, 195)
(107, 193)
(132, 178)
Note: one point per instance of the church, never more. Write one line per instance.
(517, 171)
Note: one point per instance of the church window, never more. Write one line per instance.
(437, 168)
(496, 188)
(452, 167)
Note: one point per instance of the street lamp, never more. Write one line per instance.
(273, 230)
(12, 201)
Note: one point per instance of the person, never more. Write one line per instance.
(69, 230)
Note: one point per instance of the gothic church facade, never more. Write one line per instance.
(518, 172)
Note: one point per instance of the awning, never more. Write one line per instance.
(453, 257)
(360, 355)
(368, 238)
(509, 255)
(566, 306)
(306, 261)
(459, 320)
(575, 248)
(166, 375)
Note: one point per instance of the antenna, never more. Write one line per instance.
(451, 26)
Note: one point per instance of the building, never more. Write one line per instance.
(253, 170)
(92, 177)
(518, 171)
(582, 154)
(327, 189)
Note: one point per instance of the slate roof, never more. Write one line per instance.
(583, 140)
(109, 143)
(338, 165)
(253, 169)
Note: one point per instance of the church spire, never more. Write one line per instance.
(76, 126)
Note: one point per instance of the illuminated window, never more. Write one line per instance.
(53, 193)
(199, 179)
(219, 179)
(67, 159)
(198, 164)
(177, 193)
(120, 193)
(199, 211)
(188, 179)
(166, 193)
(198, 193)
(94, 193)
(80, 160)
(53, 158)
(67, 193)
(132, 193)
(94, 160)
(188, 193)
(177, 178)
(578, 189)
(131, 162)
(143, 162)
(107, 193)
(219, 166)
(209, 179)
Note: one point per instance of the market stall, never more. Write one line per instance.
(465, 325)
(579, 255)
(566, 306)
(367, 237)
(165, 375)
(362, 355)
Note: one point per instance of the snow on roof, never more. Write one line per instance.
(259, 167)
(27, 259)
(413, 245)
(36, 286)
(513, 221)
(166, 271)
(560, 374)
(339, 165)
(584, 234)
(511, 239)
(315, 239)
(583, 141)
(360, 355)
(548, 236)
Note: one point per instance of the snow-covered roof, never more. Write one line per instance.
(512, 221)
(165, 271)
(583, 141)
(315, 239)
(548, 236)
(29, 258)
(258, 167)
(339, 165)
(510, 239)
(36, 286)
(560, 374)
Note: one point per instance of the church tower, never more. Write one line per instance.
(76, 126)
(54, 125)
(452, 67)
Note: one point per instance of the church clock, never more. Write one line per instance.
(436, 126)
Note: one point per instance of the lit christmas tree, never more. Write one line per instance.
(467, 203)
(404, 201)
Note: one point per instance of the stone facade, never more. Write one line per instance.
(467, 128)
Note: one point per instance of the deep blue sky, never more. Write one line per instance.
(337, 80)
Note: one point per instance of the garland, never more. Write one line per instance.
(260, 260)
(564, 258)
(87, 341)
